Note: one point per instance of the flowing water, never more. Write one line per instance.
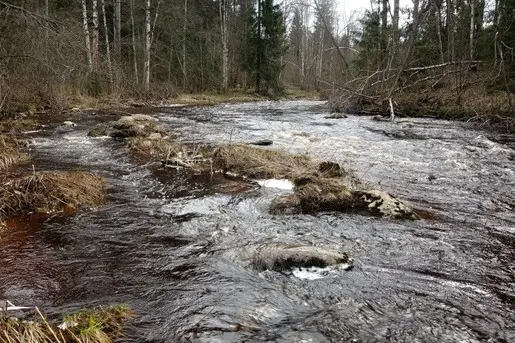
(173, 245)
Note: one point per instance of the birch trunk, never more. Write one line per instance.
(108, 49)
(135, 59)
(472, 27)
(95, 36)
(225, 44)
(146, 63)
(86, 34)
(117, 27)
(184, 27)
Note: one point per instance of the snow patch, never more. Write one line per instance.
(276, 183)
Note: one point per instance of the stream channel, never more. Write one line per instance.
(169, 243)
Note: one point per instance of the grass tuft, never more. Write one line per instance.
(262, 163)
(10, 152)
(101, 325)
(50, 191)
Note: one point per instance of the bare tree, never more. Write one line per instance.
(438, 23)
(451, 48)
(106, 34)
(86, 34)
(224, 9)
(117, 27)
(184, 28)
(472, 27)
(146, 61)
(134, 49)
(95, 36)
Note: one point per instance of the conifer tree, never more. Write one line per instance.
(266, 38)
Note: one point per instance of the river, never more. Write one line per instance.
(170, 243)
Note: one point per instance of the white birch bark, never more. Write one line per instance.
(225, 44)
(86, 34)
(146, 63)
(95, 36)
(106, 33)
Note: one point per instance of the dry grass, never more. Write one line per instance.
(261, 163)
(102, 325)
(326, 194)
(50, 191)
(157, 149)
(176, 155)
(10, 152)
(17, 125)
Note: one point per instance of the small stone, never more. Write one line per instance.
(69, 123)
(155, 136)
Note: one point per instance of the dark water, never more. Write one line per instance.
(174, 245)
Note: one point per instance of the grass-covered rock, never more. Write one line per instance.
(46, 192)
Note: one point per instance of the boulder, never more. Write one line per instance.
(138, 125)
(382, 203)
(286, 205)
(281, 257)
(102, 129)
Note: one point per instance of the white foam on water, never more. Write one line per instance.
(276, 183)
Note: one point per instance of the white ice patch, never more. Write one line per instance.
(276, 183)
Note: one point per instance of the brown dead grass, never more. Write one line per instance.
(10, 152)
(102, 325)
(157, 149)
(262, 163)
(50, 191)
(17, 125)
(326, 194)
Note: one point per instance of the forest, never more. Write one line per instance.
(450, 58)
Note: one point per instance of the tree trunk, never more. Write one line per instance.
(258, 57)
(86, 34)
(146, 62)
(384, 33)
(411, 41)
(438, 25)
(135, 59)
(95, 36)
(108, 49)
(225, 44)
(117, 27)
(184, 28)
(472, 27)
(451, 52)
(47, 38)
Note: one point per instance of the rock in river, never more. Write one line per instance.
(281, 256)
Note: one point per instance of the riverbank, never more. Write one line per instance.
(480, 102)
(83, 102)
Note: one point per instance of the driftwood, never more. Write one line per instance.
(6, 305)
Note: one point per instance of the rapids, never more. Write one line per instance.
(174, 246)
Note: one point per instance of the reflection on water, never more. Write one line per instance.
(176, 246)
